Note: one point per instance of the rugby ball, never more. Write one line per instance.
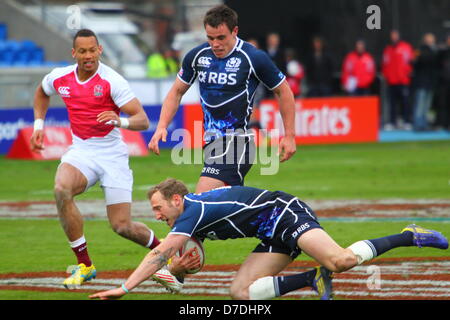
(199, 250)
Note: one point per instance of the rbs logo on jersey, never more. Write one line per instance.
(217, 77)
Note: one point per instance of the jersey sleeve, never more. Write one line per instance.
(189, 219)
(187, 72)
(47, 83)
(120, 90)
(265, 70)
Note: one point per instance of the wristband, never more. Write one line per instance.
(124, 123)
(125, 288)
(38, 124)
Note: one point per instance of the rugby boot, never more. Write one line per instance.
(426, 237)
(322, 283)
(168, 280)
(80, 274)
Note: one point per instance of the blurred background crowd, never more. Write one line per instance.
(324, 47)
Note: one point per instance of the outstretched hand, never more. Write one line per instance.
(160, 134)
(37, 141)
(116, 293)
(287, 148)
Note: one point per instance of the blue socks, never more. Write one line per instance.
(287, 284)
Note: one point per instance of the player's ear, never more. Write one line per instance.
(177, 199)
(100, 49)
(73, 53)
(235, 31)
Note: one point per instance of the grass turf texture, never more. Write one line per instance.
(358, 171)
(42, 246)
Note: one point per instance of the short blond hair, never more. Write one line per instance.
(168, 188)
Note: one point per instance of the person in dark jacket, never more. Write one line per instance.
(275, 51)
(319, 71)
(425, 78)
(443, 91)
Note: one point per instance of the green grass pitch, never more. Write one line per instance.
(357, 171)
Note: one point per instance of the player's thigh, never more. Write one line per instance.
(207, 183)
(68, 178)
(321, 247)
(259, 265)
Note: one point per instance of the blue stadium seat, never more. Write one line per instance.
(14, 45)
(7, 57)
(3, 31)
(21, 58)
(21, 53)
(29, 44)
(37, 56)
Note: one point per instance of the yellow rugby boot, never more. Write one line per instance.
(80, 274)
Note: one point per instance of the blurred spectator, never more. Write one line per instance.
(424, 80)
(443, 92)
(172, 61)
(294, 72)
(254, 42)
(162, 65)
(396, 69)
(319, 70)
(275, 51)
(358, 70)
(260, 94)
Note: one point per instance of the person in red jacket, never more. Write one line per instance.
(358, 70)
(294, 72)
(397, 69)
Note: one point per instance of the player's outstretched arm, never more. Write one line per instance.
(40, 106)
(287, 109)
(153, 261)
(136, 121)
(168, 111)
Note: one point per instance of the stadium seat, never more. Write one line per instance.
(28, 45)
(37, 56)
(3, 32)
(22, 53)
(21, 58)
(6, 57)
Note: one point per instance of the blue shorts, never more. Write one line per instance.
(296, 220)
(229, 158)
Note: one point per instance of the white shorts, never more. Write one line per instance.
(107, 165)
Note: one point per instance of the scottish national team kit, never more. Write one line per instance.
(227, 89)
(277, 218)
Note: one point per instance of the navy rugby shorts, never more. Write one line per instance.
(299, 219)
(229, 159)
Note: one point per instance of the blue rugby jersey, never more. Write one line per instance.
(235, 212)
(227, 85)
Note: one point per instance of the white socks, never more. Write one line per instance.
(363, 250)
(78, 242)
(262, 289)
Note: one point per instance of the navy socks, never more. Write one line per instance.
(287, 284)
(381, 245)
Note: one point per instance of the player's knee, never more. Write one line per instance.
(343, 261)
(260, 289)
(62, 192)
(122, 228)
(238, 292)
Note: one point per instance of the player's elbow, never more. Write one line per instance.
(146, 123)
